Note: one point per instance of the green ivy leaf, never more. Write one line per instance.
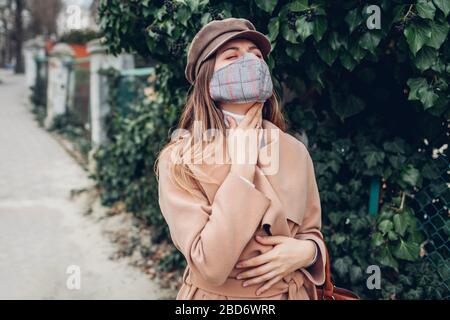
(355, 274)
(347, 60)
(385, 226)
(373, 158)
(319, 28)
(338, 238)
(266, 5)
(342, 266)
(392, 236)
(427, 96)
(326, 53)
(417, 36)
(400, 223)
(294, 51)
(298, 5)
(425, 58)
(377, 239)
(274, 28)
(407, 250)
(443, 5)
(439, 31)
(410, 176)
(414, 85)
(356, 51)
(288, 34)
(425, 9)
(370, 40)
(387, 259)
(353, 19)
(304, 28)
(351, 106)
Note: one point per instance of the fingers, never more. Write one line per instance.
(268, 285)
(254, 272)
(273, 240)
(249, 116)
(231, 122)
(255, 120)
(265, 277)
(256, 261)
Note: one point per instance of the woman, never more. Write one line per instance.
(246, 219)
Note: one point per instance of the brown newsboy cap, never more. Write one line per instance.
(215, 33)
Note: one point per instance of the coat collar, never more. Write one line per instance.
(280, 175)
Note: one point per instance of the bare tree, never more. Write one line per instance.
(6, 27)
(18, 36)
(44, 16)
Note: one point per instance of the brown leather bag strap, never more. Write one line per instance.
(328, 286)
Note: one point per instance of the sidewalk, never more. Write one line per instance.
(43, 230)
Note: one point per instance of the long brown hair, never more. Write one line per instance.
(200, 107)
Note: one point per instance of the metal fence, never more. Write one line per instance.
(78, 104)
(432, 208)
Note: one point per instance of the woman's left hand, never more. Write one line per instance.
(287, 255)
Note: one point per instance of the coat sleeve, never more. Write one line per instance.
(211, 236)
(311, 225)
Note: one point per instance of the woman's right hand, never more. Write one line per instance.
(243, 142)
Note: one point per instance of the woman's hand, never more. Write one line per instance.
(243, 142)
(287, 255)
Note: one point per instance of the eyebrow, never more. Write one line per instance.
(237, 48)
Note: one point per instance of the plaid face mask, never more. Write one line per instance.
(247, 79)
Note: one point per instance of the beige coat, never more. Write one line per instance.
(215, 229)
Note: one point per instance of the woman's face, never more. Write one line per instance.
(226, 54)
(233, 49)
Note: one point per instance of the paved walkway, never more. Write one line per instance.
(43, 231)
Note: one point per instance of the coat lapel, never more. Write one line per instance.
(280, 175)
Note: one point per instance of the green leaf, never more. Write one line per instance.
(266, 5)
(425, 9)
(353, 19)
(410, 176)
(370, 40)
(377, 239)
(425, 58)
(274, 28)
(400, 223)
(373, 158)
(427, 96)
(439, 31)
(326, 53)
(288, 34)
(355, 274)
(320, 26)
(407, 250)
(304, 28)
(387, 259)
(443, 5)
(356, 51)
(392, 236)
(342, 266)
(414, 85)
(385, 226)
(298, 6)
(351, 106)
(336, 41)
(294, 51)
(347, 61)
(338, 238)
(417, 35)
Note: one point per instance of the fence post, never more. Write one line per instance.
(58, 77)
(32, 48)
(99, 108)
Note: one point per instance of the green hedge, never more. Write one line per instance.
(373, 103)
